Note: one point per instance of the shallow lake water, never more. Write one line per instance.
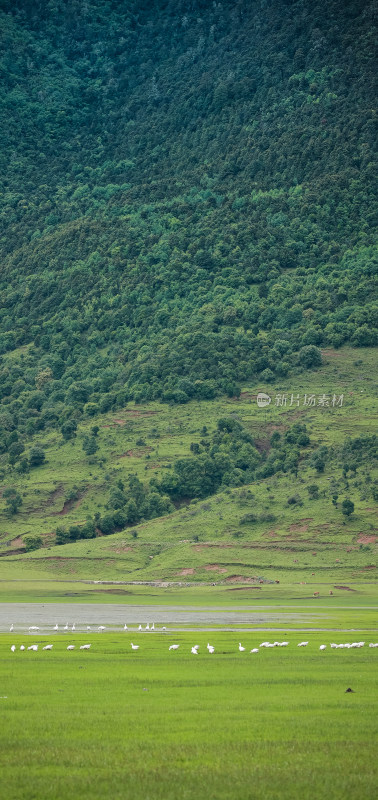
(114, 616)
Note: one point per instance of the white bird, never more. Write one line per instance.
(71, 647)
(33, 628)
(101, 627)
(194, 651)
(33, 647)
(85, 646)
(254, 650)
(47, 647)
(66, 627)
(56, 628)
(125, 628)
(303, 644)
(211, 649)
(13, 648)
(373, 644)
(174, 647)
(153, 626)
(147, 627)
(73, 627)
(284, 644)
(22, 647)
(134, 646)
(11, 628)
(241, 649)
(88, 627)
(164, 628)
(140, 628)
(322, 647)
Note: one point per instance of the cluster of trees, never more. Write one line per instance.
(127, 505)
(172, 176)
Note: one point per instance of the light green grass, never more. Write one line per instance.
(151, 725)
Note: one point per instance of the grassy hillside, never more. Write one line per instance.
(271, 529)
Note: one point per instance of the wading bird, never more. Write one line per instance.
(101, 627)
(254, 650)
(56, 628)
(241, 649)
(33, 628)
(134, 646)
(174, 647)
(71, 647)
(13, 648)
(22, 647)
(125, 628)
(194, 650)
(322, 647)
(33, 647)
(85, 646)
(11, 628)
(47, 647)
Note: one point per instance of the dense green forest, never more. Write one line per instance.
(187, 204)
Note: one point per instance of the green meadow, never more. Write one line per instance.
(153, 724)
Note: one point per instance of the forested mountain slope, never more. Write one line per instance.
(187, 194)
(187, 204)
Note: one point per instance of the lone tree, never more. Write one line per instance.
(347, 507)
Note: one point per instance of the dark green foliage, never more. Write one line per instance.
(347, 507)
(69, 429)
(182, 206)
(90, 445)
(231, 459)
(310, 356)
(32, 541)
(313, 491)
(37, 457)
(13, 501)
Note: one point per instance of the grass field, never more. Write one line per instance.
(153, 724)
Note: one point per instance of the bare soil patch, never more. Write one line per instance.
(346, 588)
(136, 453)
(187, 571)
(363, 539)
(298, 528)
(214, 568)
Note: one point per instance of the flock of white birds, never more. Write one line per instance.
(194, 649)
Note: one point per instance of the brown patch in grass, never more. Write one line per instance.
(136, 453)
(214, 568)
(238, 579)
(298, 528)
(331, 353)
(363, 539)
(346, 588)
(186, 571)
